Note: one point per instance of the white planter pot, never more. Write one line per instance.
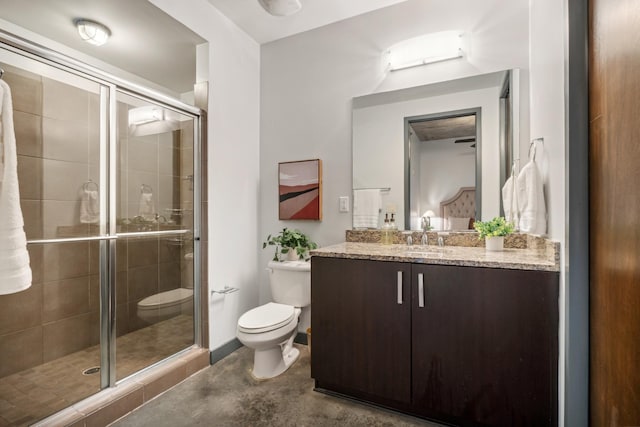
(494, 244)
(292, 255)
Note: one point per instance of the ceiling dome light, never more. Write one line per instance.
(92, 32)
(281, 7)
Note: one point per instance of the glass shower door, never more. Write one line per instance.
(155, 224)
(50, 352)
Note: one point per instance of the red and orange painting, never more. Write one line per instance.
(300, 189)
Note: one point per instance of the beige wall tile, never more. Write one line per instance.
(169, 161)
(63, 101)
(169, 276)
(32, 216)
(28, 129)
(63, 180)
(66, 336)
(26, 91)
(21, 310)
(142, 252)
(65, 298)
(30, 177)
(13, 357)
(36, 258)
(122, 319)
(56, 213)
(142, 282)
(65, 260)
(66, 140)
(142, 156)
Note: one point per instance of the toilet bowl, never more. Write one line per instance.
(168, 304)
(271, 328)
(165, 305)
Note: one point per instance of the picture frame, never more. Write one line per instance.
(300, 190)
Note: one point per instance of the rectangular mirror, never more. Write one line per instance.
(414, 180)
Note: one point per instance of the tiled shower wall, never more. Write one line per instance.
(57, 144)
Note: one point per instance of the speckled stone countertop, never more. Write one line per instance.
(544, 258)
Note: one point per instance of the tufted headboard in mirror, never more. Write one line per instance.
(462, 205)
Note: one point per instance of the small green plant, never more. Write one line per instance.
(498, 226)
(288, 240)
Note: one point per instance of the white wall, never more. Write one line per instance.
(308, 82)
(233, 150)
(547, 73)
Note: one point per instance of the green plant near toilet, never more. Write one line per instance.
(292, 243)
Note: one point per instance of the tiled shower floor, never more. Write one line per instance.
(35, 393)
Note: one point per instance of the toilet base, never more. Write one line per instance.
(271, 362)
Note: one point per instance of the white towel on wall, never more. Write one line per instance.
(89, 207)
(366, 208)
(146, 208)
(533, 211)
(15, 272)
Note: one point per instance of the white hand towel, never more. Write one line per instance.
(146, 208)
(533, 211)
(89, 207)
(15, 272)
(366, 208)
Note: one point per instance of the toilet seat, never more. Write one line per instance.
(265, 318)
(166, 299)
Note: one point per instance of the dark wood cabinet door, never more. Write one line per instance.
(361, 333)
(485, 346)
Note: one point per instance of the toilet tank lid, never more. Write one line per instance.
(290, 265)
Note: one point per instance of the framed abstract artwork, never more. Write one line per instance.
(300, 190)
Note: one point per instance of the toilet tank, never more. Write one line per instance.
(290, 282)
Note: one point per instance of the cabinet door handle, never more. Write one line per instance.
(420, 290)
(399, 287)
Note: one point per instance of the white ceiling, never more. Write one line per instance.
(145, 41)
(263, 28)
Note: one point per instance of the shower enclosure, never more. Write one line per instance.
(108, 176)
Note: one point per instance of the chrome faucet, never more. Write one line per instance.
(425, 226)
(424, 241)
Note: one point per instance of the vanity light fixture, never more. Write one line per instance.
(281, 7)
(152, 120)
(425, 49)
(92, 32)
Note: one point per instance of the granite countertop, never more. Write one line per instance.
(543, 259)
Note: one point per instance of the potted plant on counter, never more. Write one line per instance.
(493, 232)
(293, 244)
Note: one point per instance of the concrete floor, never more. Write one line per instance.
(226, 394)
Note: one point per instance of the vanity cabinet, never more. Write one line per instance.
(466, 345)
(361, 333)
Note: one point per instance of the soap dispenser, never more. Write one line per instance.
(385, 234)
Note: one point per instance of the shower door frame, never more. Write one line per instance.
(110, 85)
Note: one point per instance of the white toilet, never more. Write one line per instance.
(168, 304)
(271, 328)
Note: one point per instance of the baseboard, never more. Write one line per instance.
(301, 338)
(225, 350)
